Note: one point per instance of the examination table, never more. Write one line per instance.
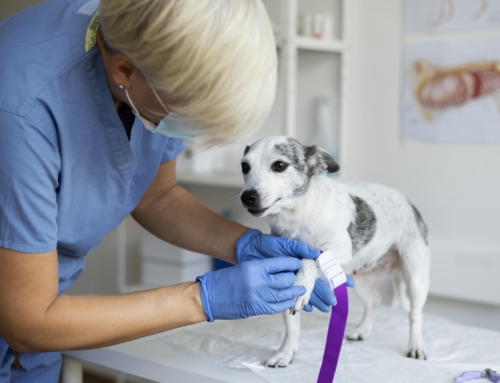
(231, 351)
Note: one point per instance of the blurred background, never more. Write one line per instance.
(379, 84)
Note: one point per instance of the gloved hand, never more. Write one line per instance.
(252, 288)
(322, 297)
(255, 245)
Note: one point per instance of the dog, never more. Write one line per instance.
(372, 230)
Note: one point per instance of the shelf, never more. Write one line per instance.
(312, 44)
(216, 179)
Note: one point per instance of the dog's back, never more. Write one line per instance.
(388, 221)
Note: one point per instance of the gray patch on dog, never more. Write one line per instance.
(292, 150)
(363, 229)
(422, 227)
(247, 149)
(297, 192)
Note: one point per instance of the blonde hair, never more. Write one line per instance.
(215, 58)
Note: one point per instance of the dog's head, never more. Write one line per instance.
(279, 169)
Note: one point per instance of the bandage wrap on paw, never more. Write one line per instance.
(329, 270)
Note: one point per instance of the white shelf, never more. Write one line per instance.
(216, 179)
(312, 44)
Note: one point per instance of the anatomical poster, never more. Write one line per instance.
(451, 91)
(450, 15)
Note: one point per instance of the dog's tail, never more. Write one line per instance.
(399, 295)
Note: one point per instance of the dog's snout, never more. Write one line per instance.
(249, 198)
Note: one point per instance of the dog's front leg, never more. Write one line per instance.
(340, 245)
(290, 344)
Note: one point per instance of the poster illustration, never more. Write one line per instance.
(450, 15)
(451, 91)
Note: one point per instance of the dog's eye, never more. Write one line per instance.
(245, 168)
(279, 166)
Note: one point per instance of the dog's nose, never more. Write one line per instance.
(249, 197)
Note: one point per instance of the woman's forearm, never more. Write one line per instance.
(85, 322)
(34, 318)
(179, 218)
(172, 214)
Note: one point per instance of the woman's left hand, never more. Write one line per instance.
(255, 245)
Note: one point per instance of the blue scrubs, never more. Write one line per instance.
(68, 173)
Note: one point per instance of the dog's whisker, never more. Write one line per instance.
(232, 201)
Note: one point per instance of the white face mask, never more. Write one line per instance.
(171, 125)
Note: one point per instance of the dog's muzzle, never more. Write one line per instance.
(250, 200)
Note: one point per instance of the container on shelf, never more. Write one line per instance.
(306, 24)
(220, 159)
(325, 134)
(316, 25)
(164, 264)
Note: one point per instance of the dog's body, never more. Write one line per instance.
(372, 230)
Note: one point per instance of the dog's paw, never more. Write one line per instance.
(305, 277)
(301, 302)
(281, 359)
(359, 333)
(416, 351)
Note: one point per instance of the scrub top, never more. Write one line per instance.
(68, 172)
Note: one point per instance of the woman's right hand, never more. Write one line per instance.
(257, 287)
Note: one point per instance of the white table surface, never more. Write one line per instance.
(137, 358)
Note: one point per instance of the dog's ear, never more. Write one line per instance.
(320, 161)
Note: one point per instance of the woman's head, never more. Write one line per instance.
(214, 59)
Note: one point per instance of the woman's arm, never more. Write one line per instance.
(33, 318)
(172, 214)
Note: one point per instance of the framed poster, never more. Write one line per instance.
(451, 91)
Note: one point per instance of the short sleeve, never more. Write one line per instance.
(175, 146)
(29, 173)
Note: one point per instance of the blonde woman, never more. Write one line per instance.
(95, 105)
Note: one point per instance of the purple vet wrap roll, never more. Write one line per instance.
(474, 375)
(331, 272)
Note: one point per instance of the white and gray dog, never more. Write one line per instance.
(372, 230)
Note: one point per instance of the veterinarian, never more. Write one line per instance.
(95, 105)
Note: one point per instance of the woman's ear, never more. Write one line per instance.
(122, 70)
(320, 161)
(119, 68)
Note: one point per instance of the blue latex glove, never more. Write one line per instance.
(252, 288)
(255, 245)
(322, 295)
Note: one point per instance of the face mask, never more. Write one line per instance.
(171, 125)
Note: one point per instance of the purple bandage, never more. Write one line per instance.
(332, 273)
